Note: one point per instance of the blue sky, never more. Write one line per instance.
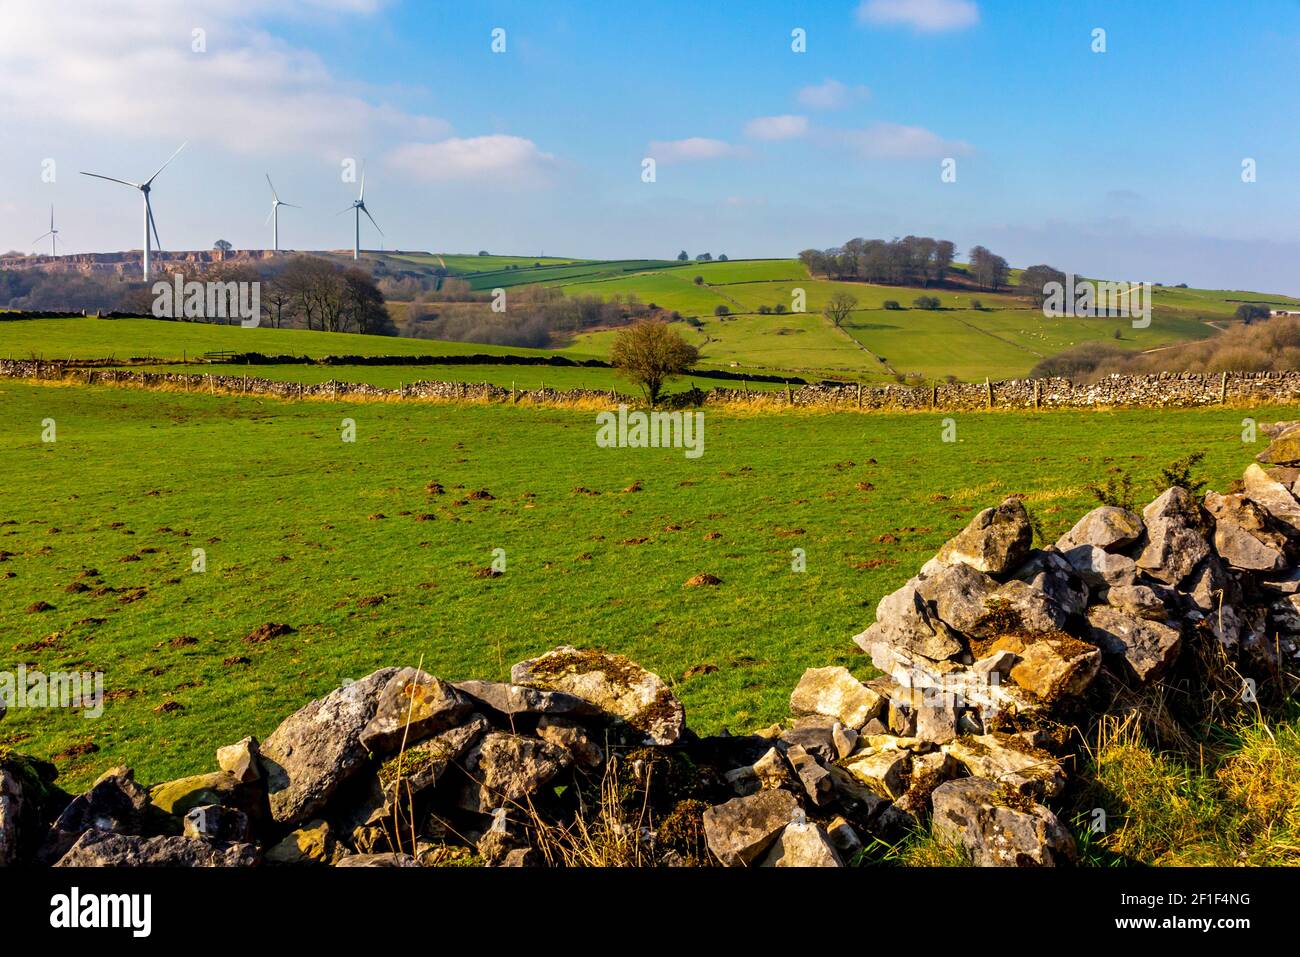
(1125, 163)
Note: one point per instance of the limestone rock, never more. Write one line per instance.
(1101, 569)
(181, 796)
(884, 770)
(508, 768)
(218, 823)
(115, 803)
(1107, 527)
(834, 692)
(767, 773)
(1146, 647)
(739, 831)
(995, 541)
(240, 760)
(318, 748)
(1010, 761)
(412, 706)
(976, 814)
(958, 594)
(1176, 540)
(310, 844)
(823, 737)
(843, 836)
(388, 859)
(1047, 572)
(408, 774)
(611, 683)
(803, 845)
(1140, 601)
(904, 621)
(1274, 497)
(1059, 667)
(574, 738)
(815, 779)
(1285, 447)
(1241, 534)
(509, 699)
(97, 848)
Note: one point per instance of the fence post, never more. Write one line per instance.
(1037, 394)
(1223, 388)
(934, 395)
(859, 395)
(988, 387)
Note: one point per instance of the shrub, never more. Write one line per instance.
(892, 304)
(721, 310)
(926, 302)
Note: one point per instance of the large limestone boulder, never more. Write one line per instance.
(26, 793)
(996, 540)
(740, 830)
(613, 684)
(505, 769)
(1274, 497)
(884, 770)
(958, 594)
(1147, 648)
(1242, 537)
(998, 829)
(1176, 539)
(835, 693)
(412, 706)
(181, 796)
(317, 748)
(410, 773)
(1107, 527)
(1048, 573)
(97, 848)
(904, 622)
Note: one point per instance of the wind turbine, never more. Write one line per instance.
(53, 234)
(148, 210)
(274, 218)
(358, 207)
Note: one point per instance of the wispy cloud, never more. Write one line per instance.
(509, 158)
(830, 95)
(691, 149)
(895, 141)
(929, 16)
(786, 127)
(130, 68)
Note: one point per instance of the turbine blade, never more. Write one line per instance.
(51, 217)
(157, 241)
(111, 179)
(164, 165)
(362, 197)
(346, 209)
(274, 195)
(291, 205)
(40, 237)
(371, 218)
(268, 217)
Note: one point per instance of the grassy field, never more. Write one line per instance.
(344, 542)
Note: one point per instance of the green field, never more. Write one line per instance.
(304, 529)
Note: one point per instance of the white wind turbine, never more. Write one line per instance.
(53, 234)
(274, 218)
(358, 207)
(148, 210)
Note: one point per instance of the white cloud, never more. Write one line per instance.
(480, 157)
(929, 16)
(831, 95)
(894, 141)
(127, 68)
(692, 148)
(785, 127)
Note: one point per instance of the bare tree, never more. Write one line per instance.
(839, 307)
(650, 353)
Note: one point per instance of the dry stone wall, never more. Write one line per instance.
(1166, 390)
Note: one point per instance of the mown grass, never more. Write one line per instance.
(344, 542)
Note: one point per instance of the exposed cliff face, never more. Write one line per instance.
(128, 263)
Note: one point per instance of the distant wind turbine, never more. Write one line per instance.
(53, 234)
(274, 218)
(148, 210)
(358, 207)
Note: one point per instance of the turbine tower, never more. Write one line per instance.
(144, 189)
(274, 218)
(358, 207)
(53, 234)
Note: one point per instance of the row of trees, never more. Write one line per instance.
(685, 257)
(910, 261)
